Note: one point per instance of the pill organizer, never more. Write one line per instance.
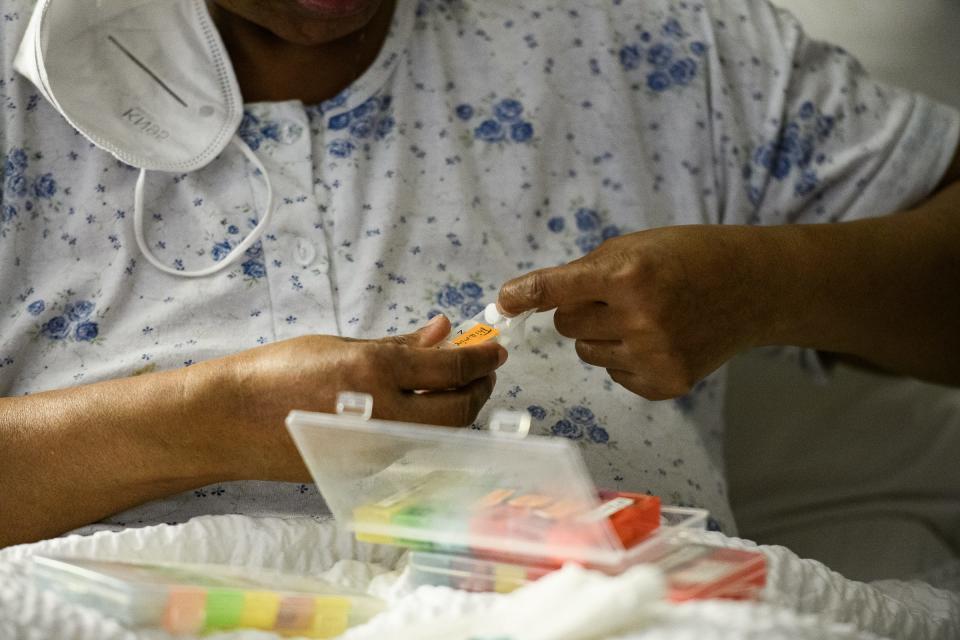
(697, 571)
(691, 571)
(484, 493)
(198, 598)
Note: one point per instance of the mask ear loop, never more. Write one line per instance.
(234, 254)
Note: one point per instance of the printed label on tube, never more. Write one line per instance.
(479, 334)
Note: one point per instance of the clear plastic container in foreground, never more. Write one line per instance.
(200, 598)
(369, 471)
(693, 571)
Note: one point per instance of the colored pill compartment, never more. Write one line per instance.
(511, 514)
(426, 513)
(692, 571)
(373, 521)
(197, 599)
(561, 524)
(698, 571)
(470, 573)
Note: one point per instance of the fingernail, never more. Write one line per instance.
(435, 319)
(501, 356)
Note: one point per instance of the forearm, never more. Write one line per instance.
(883, 290)
(74, 456)
(71, 457)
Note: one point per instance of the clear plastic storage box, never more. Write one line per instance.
(691, 570)
(480, 493)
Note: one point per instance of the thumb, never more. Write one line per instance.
(549, 288)
(429, 335)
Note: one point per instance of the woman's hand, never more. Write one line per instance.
(250, 393)
(658, 309)
(70, 457)
(661, 309)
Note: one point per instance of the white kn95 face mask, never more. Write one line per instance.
(148, 81)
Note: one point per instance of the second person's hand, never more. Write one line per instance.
(658, 309)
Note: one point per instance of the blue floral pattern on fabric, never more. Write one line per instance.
(56, 328)
(87, 331)
(458, 301)
(258, 132)
(792, 156)
(576, 422)
(506, 123)
(672, 62)
(368, 123)
(23, 190)
(253, 266)
(588, 227)
(73, 321)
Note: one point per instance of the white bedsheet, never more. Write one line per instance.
(803, 598)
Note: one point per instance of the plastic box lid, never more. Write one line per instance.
(418, 486)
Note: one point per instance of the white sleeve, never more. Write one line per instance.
(809, 137)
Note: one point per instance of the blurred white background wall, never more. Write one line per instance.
(864, 473)
(911, 43)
